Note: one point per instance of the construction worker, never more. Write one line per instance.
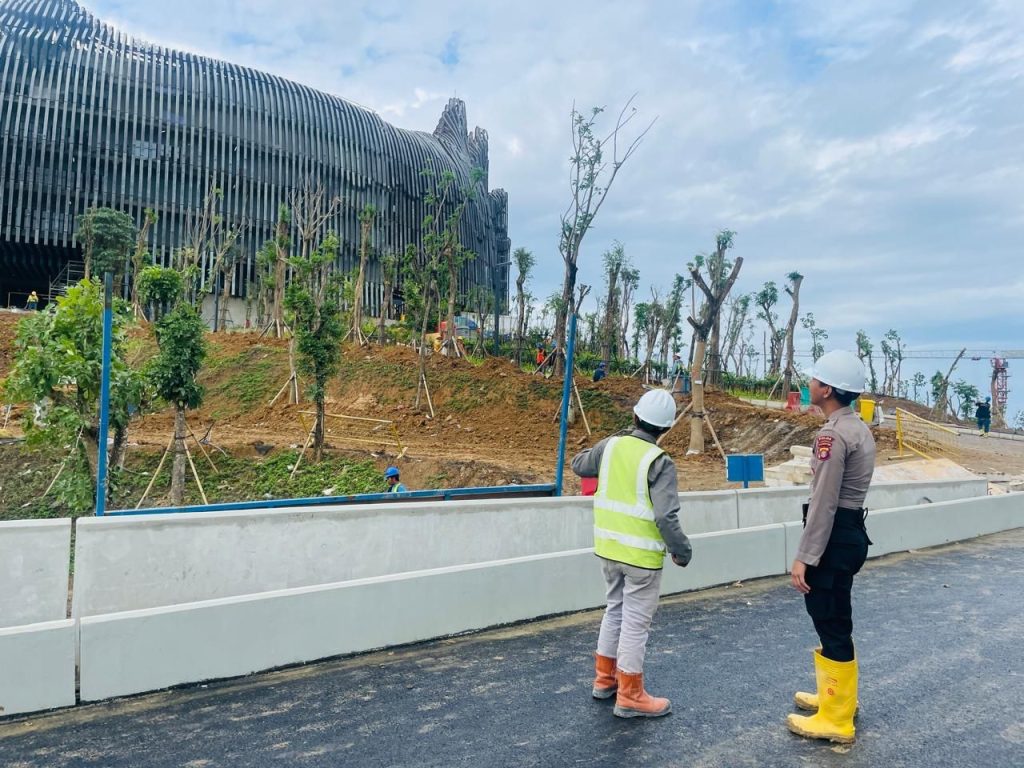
(541, 355)
(33, 302)
(984, 416)
(601, 371)
(392, 478)
(636, 519)
(834, 545)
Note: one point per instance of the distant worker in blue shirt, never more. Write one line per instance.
(391, 477)
(601, 371)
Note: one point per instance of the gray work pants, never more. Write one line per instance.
(632, 595)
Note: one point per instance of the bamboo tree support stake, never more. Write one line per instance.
(202, 448)
(714, 437)
(547, 361)
(64, 463)
(579, 402)
(159, 466)
(426, 389)
(309, 439)
(679, 418)
(360, 338)
(281, 391)
(195, 474)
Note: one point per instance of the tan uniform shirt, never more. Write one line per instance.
(842, 462)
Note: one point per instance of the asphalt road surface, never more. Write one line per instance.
(939, 636)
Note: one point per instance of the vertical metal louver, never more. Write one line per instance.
(89, 116)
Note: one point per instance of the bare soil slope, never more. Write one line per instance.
(493, 424)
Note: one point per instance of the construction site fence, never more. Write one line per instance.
(916, 436)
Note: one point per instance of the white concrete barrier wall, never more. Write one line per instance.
(929, 525)
(134, 651)
(129, 563)
(707, 511)
(37, 667)
(149, 649)
(126, 563)
(892, 495)
(34, 561)
(727, 556)
(763, 506)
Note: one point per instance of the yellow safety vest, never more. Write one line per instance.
(624, 527)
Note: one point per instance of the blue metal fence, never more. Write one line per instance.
(439, 494)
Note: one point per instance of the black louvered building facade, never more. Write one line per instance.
(90, 117)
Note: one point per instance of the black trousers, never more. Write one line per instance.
(831, 582)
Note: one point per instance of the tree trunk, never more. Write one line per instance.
(279, 272)
(357, 306)
(562, 312)
(451, 333)
(998, 417)
(521, 321)
(293, 376)
(180, 461)
(697, 410)
(118, 451)
(871, 373)
(787, 382)
(224, 294)
(318, 427)
(942, 400)
(775, 350)
(89, 452)
(713, 370)
(647, 358)
(423, 338)
(385, 308)
(610, 321)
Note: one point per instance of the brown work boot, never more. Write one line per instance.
(634, 701)
(605, 684)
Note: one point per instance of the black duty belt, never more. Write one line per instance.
(845, 516)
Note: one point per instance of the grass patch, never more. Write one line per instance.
(237, 479)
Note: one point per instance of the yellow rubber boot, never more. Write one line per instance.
(809, 701)
(837, 700)
(605, 682)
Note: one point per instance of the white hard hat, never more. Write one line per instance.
(657, 407)
(840, 369)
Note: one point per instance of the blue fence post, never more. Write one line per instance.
(566, 393)
(108, 326)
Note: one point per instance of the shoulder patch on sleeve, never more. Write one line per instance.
(823, 447)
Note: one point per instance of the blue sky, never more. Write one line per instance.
(875, 146)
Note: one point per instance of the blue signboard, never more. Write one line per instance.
(744, 468)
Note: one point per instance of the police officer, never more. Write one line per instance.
(636, 519)
(834, 546)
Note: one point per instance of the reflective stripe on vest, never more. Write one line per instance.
(624, 527)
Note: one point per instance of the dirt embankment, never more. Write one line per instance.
(493, 423)
(8, 329)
